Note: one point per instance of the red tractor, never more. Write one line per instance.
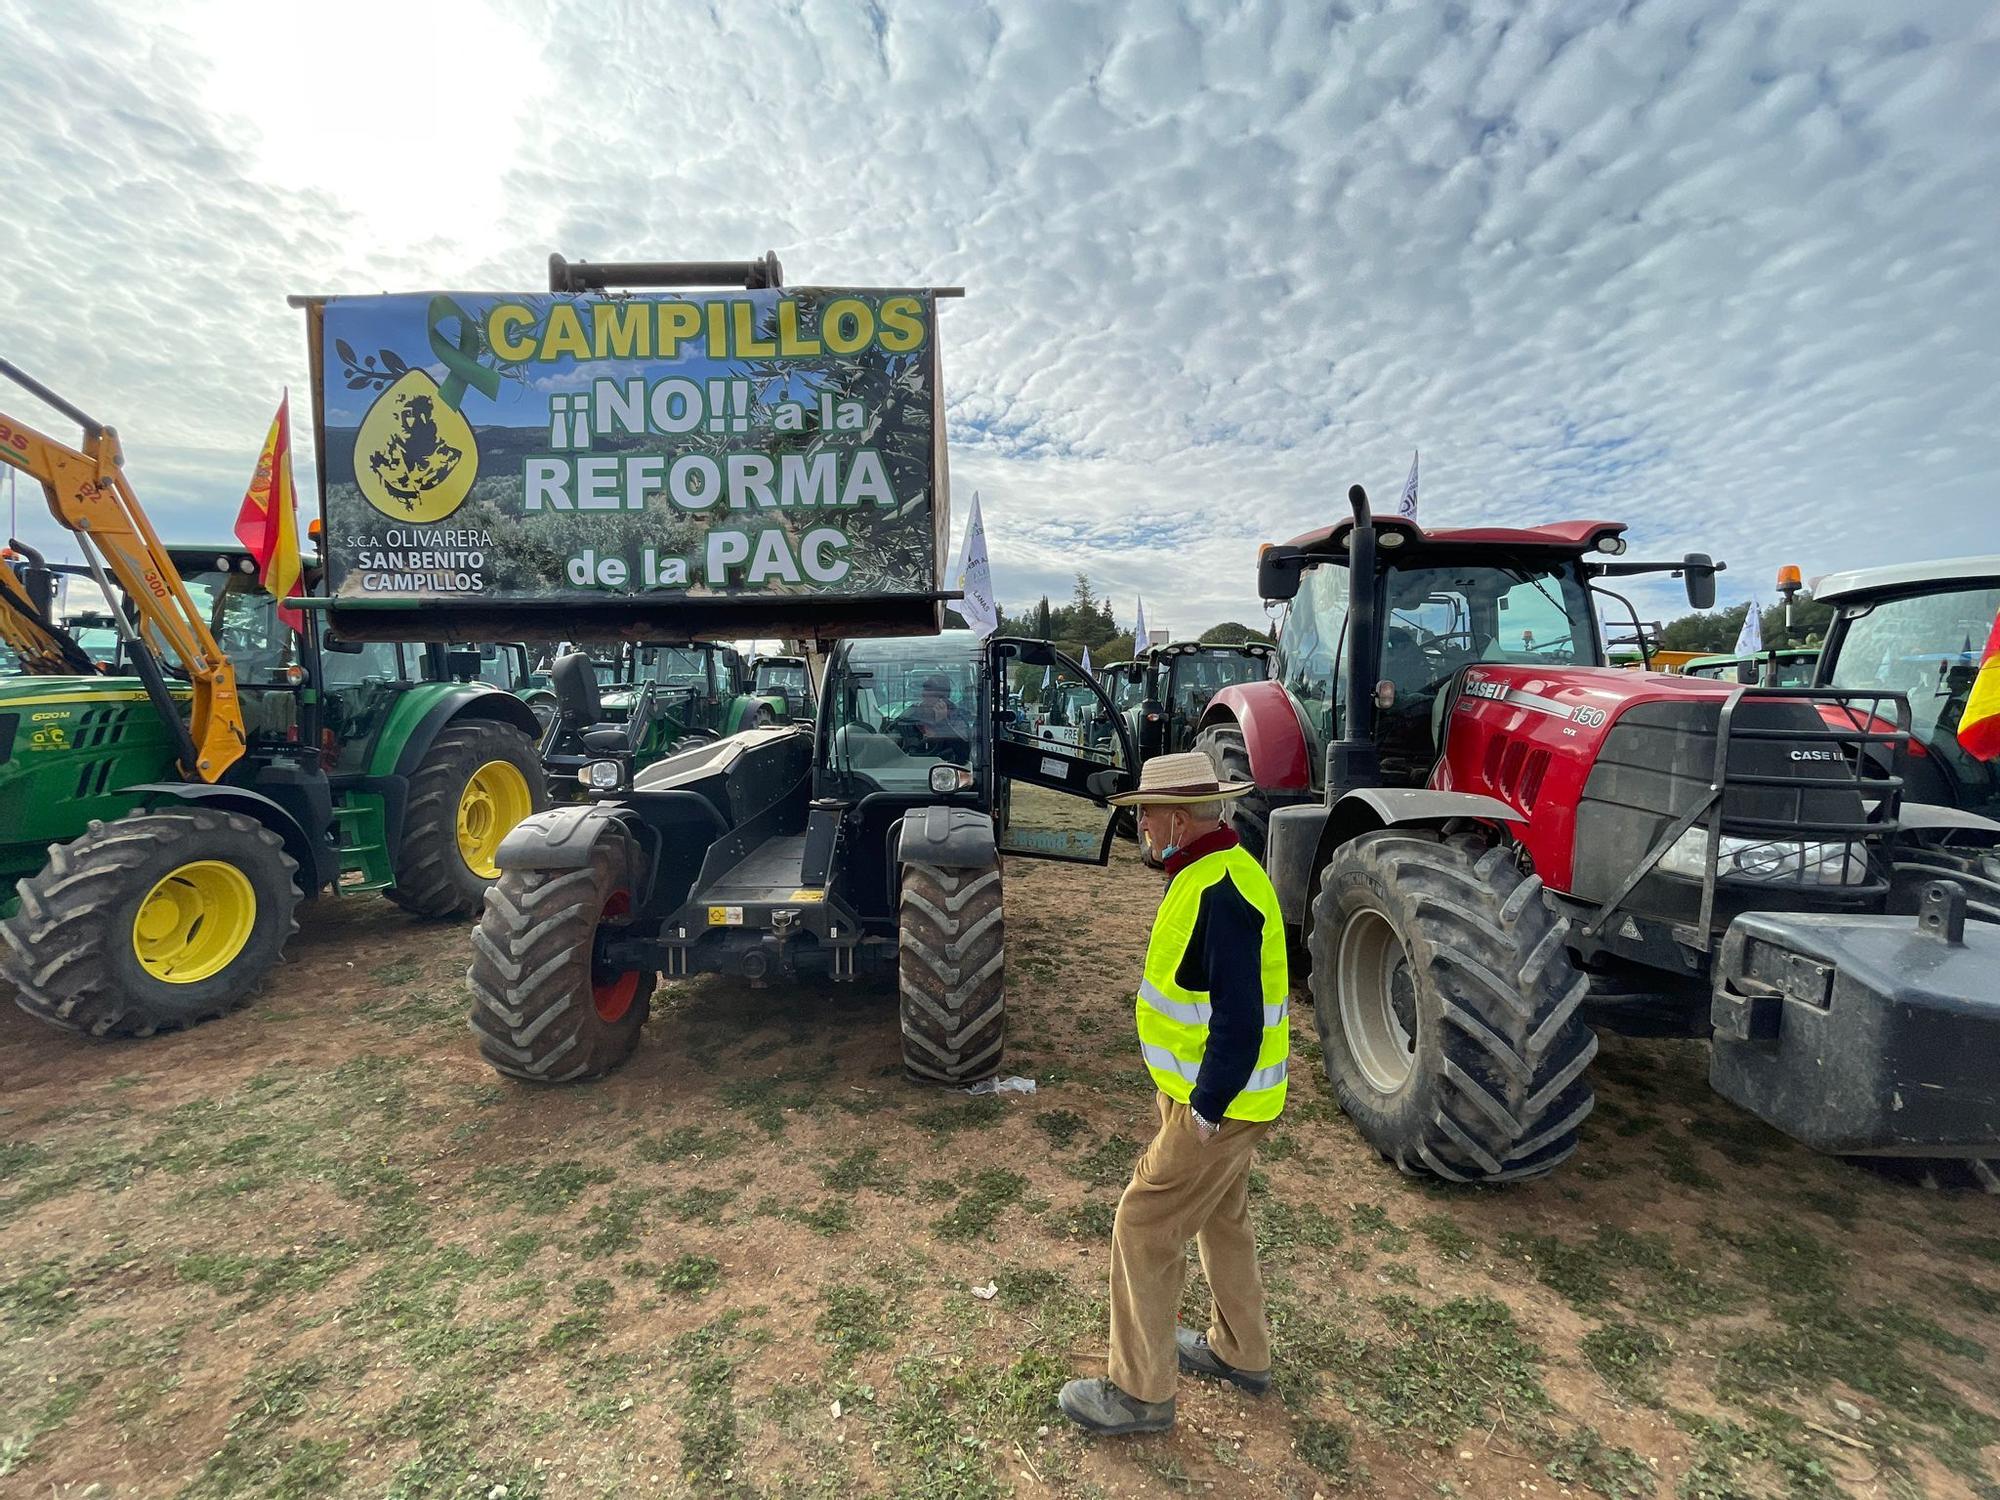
(1490, 842)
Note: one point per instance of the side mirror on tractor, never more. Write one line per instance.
(340, 645)
(1700, 570)
(1278, 572)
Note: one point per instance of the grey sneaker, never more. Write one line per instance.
(1198, 1359)
(1099, 1407)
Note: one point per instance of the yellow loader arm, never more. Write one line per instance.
(44, 648)
(89, 495)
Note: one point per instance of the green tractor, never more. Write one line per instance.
(161, 828)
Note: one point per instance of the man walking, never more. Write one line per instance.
(1214, 1033)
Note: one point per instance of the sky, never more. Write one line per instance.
(1721, 270)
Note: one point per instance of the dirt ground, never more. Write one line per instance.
(318, 1249)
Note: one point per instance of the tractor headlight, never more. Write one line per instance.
(602, 775)
(947, 779)
(1777, 861)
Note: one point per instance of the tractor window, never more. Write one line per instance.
(376, 661)
(1310, 643)
(674, 666)
(1197, 676)
(900, 707)
(1927, 647)
(1127, 687)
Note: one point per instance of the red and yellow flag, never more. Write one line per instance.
(268, 523)
(1979, 725)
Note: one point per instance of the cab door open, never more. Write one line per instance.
(1051, 779)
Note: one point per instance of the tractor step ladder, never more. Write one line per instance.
(364, 847)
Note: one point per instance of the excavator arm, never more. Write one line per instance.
(89, 495)
(44, 648)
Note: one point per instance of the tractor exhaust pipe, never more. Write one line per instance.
(1363, 654)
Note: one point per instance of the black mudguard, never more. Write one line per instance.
(952, 838)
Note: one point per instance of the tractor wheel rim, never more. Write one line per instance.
(612, 992)
(494, 800)
(1378, 1001)
(194, 922)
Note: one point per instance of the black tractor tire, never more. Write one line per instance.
(1250, 814)
(1494, 1083)
(432, 876)
(544, 1010)
(951, 973)
(70, 949)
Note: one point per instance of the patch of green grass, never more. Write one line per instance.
(1370, 1219)
(26, 1424)
(1108, 1163)
(1061, 1126)
(1730, 1461)
(1970, 1294)
(18, 1158)
(547, 1190)
(514, 1252)
(397, 973)
(691, 1275)
(989, 1193)
(255, 1459)
(1843, 1207)
(835, 1216)
(1090, 1220)
(1677, 1160)
(863, 1169)
(929, 1449)
(1984, 1247)
(937, 1190)
(1573, 1272)
(224, 1271)
(1629, 1358)
(573, 1330)
(852, 1322)
(1617, 1473)
(710, 1444)
(1327, 1445)
(954, 1114)
(687, 1143)
(1450, 1367)
(1446, 1237)
(592, 1291)
(699, 1205)
(767, 1101)
(41, 1298)
(613, 1225)
(1283, 1227)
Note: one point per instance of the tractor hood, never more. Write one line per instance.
(48, 692)
(1601, 762)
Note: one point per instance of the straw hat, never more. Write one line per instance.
(1179, 780)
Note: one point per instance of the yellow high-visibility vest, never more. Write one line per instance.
(1173, 1021)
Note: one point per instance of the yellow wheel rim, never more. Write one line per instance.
(194, 922)
(494, 800)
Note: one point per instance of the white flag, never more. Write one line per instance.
(1139, 630)
(1409, 505)
(975, 578)
(1085, 663)
(1751, 639)
(1048, 678)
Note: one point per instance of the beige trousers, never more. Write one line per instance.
(1185, 1190)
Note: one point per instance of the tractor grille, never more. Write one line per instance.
(1792, 790)
(101, 726)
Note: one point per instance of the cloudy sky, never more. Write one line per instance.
(1723, 270)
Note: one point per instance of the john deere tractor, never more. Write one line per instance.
(158, 830)
(1490, 842)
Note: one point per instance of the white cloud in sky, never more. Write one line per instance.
(1722, 270)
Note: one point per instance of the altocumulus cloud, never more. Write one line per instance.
(1723, 270)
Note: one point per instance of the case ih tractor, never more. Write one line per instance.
(867, 843)
(1489, 842)
(158, 830)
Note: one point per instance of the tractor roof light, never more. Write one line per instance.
(1385, 694)
(1610, 543)
(1790, 581)
(1390, 539)
(601, 775)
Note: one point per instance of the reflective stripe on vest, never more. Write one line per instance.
(1173, 1021)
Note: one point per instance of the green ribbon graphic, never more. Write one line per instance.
(462, 360)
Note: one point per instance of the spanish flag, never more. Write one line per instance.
(1979, 725)
(268, 523)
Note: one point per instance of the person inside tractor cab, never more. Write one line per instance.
(935, 725)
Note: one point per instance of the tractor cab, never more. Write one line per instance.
(1920, 629)
(1177, 681)
(1439, 602)
(783, 677)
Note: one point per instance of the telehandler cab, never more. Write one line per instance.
(158, 830)
(1490, 841)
